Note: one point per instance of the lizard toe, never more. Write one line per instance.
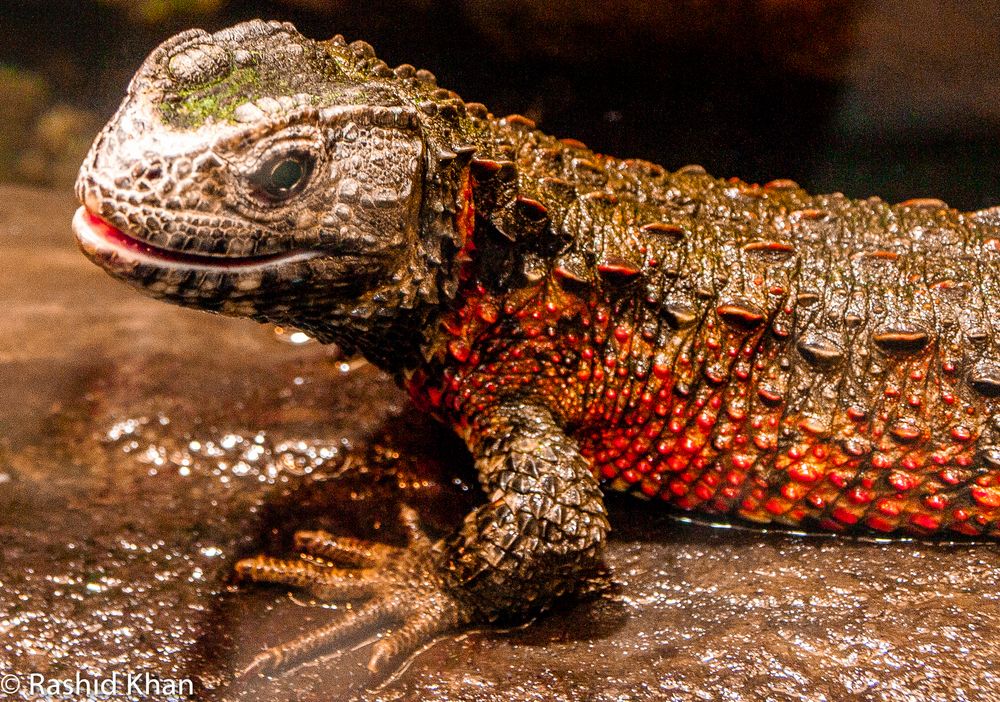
(402, 594)
(433, 616)
(344, 551)
(354, 625)
(322, 581)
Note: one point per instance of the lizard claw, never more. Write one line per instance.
(398, 585)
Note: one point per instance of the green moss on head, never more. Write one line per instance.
(215, 101)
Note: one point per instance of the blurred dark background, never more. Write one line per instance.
(899, 99)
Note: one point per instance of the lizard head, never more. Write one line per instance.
(258, 173)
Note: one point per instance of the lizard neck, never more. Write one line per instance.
(393, 326)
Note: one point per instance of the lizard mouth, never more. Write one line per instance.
(105, 242)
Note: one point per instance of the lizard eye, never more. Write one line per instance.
(283, 175)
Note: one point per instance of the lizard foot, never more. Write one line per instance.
(399, 586)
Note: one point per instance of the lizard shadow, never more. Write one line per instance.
(411, 460)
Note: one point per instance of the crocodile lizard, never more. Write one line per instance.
(583, 322)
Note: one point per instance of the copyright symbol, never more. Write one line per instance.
(10, 683)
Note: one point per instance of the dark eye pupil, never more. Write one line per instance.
(286, 174)
(282, 176)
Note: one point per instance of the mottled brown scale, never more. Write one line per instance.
(573, 270)
(741, 314)
(516, 120)
(531, 208)
(930, 203)
(985, 378)
(618, 269)
(664, 229)
(692, 169)
(679, 314)
(771, 251)
(819, 351)
(781, 184)
(990, 456)
(901, 340)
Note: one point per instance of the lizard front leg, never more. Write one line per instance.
(542, 526)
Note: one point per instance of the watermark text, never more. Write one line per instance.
(115, 685)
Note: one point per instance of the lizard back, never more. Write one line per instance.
(732, 347)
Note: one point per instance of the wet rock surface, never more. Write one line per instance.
(145, 448)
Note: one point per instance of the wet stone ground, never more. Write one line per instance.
(144, 448)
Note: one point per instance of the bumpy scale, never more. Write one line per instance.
(725, 347)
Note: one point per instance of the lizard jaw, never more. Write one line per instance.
(107, 244)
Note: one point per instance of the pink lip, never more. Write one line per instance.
(97, 237)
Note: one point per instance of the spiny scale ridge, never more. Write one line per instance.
(740, 348)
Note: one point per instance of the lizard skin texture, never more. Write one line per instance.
(582, 321)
